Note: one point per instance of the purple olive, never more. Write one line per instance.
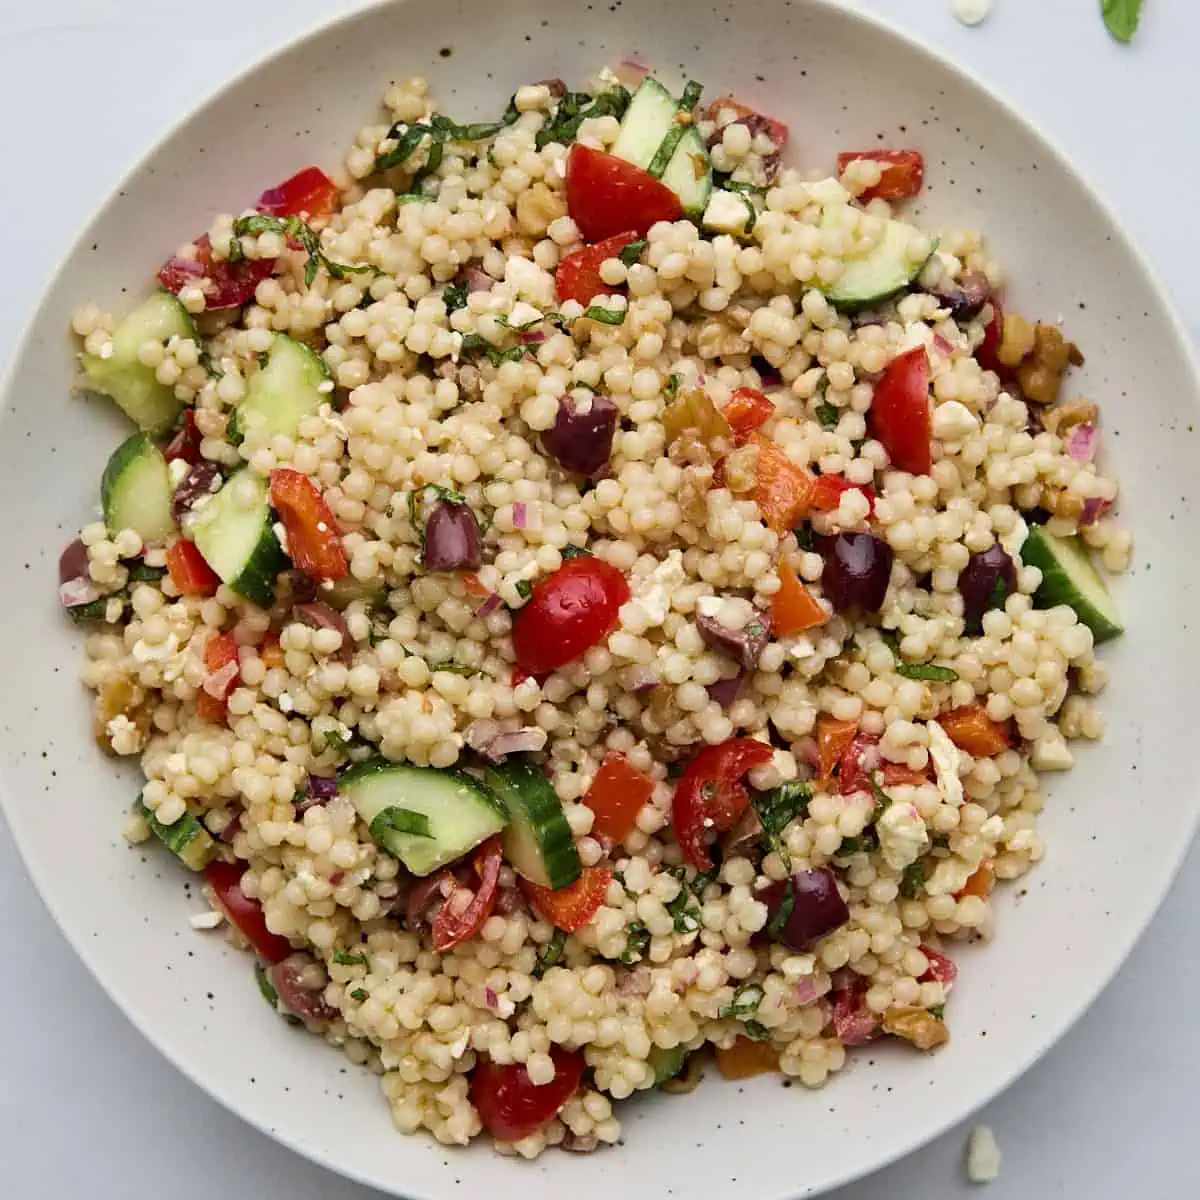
(203, 479)
(579, 441)
(742, 645)
(965, 297)
(290, 979)
(986, 582)
(726, 691)
(320, 616)
(452, 541)
(810, 907)
(858, 567)
(73, 562)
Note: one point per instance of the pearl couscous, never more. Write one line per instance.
(589, 596)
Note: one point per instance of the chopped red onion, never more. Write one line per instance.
(73, 562)
(558, 89)
(323, 787)
(742, 645)
(520, 514)
(1081, 443)
(489, 606)
(806, 990)
(217, 682)
(532, 337)
(232, 830)
(725, 691)
(203, 479)
(636, 982)
(942, 346)
(631, 72)
(478, 280)
(643, 679)
(853, 1021)
(1093, 510)
(307, 1003)
(493, 742)
(580, 1143)
(76, 592)
(491, 999)
(745, 837)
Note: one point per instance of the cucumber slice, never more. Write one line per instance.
(123, 376)
(1068, 577)
(458, 811)
(878, 276)
(666, 1063)
(235, 533)
(689, 173)
(284, 392)
(187, 839)
(652, 138)
(538, 843)
(135, 491)
(649, 118)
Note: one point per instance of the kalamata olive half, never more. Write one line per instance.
(965, 297)
(452, 541)
(858, 567)
(986, 582)
(742, 645)
(810, 907)
(202, 479)
(581, 441)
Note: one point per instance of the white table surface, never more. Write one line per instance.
(87, 1108)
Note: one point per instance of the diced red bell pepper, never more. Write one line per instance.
(190, 574)
(578, 275)
(794, 609)
(314, 540)
(828, 489)
(782, 490)
(895, 774)
(607, 195)
(900, 416)
(572, 907)
(903, 172)
(746, 411)
(617, 795)
(833, 739)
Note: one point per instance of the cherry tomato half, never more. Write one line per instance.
(314, 541)
(578, 275)
(511, 1106)
(903, 172)
(900, 418)
(465, 910)
(828, 489)
(710, 795)
(987, 353)
(186, 442)
(225, 284)
(607, 195)
(225, 879)
(617, 795)
(567, 613)
(309, 191)
(572, 907)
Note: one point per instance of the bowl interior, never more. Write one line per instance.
(1117, 826)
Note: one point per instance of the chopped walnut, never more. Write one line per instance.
(537, 208)
(740, 468)
(120, 698)
(916, 1025)
(1040, 356)
(1064, 417)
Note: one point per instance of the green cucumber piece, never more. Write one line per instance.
(187, 839)
(235, 533)
(135, 491)
(459, 811)
(879, 275)
(649, 118)
(538, 843)
(123, 376)
(666, 1063)
(1068, 577)
(284, 392)
(689, 173)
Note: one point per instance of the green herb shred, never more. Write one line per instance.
(573, 551)
(938, 1010)
(1122, 17)
(691, 95)
(637, 939)
(827, 415)
(745, 1003)
(779, 808)
(913, 880)
(551, 954)
(783, 913)
(358, 994)
(606, 316)
(927, 672)
(671, 390)
(523, 588)
(454, 297)
(575, 108)
(300, 231)
(631, 254)
(336, 740)
(400, 820)
(349, 960)
(139, 572)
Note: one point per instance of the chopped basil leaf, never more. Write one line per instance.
(454, 668)
(349, 960)
(571, 551)
(407, 142)
(938, 1010)
(783, 914)
(687, 918)
(756, 1031)
(913, 880)
(358, 994)
(573, 109)
(827, 415)
(606, 316)
(632, 253)
(882, 800)
(236, 253)
(454, 297)
(672, 387)
(701, 882)
(336, 740)
(926, 671)
(300, 231)
(638, 938)
(1122, 17)
(745, 1003)
(139, 572)
(523, 588)
(779, 808)
(804, 536)
(400, 820)
(691, 95)
(550, 954)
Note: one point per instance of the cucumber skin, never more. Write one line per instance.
(258, 578)
(195, 851)
(1039, 552)
(858, 304)
(134, 447)
(529, 797)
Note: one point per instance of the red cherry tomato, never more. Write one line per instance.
(903, 172)
(567, 613)
(606, 195)
(190, 574)
(225, 284)
(900, 416)
(617, 795)
(941, 968)
(572, 907)
(310, 191)
(225, 879)
(710, 795)
(827, 493)
(511, 1106)
(314, 540)
(578, 275)
(465, 910)
(186, 442)
(746, 411)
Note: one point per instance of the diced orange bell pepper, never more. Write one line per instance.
(972, 730)
(746, 411)
(616, 797)
(473, 587)
(782, 490)
(897, 773)
(981, 882)
(572, 907)
(833, 738)
(271, 652)
(794, 608)
(745, 1059)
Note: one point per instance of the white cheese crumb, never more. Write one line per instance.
(206, 920)
(523, 314)
(286, 703)
(983, 1155)
(709, 606)
(800, 647)
(325, 386)
(177, 470)
(946, 761)
(952, 422)
(971, 12)
(1051, 753)
(903, 837)
(727, 212)
(280, 535)
(654, 593)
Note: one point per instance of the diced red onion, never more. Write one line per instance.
(942, 346)
(510, 901)
(643, 679)
(317, 615)
(1081, 443)
(631, 72)
(202, 479)
(742, 645)
(478, 280)
(491, 999)
(489, 606)
(636, 982)
(1093, 509)
(232, 829)
(76, 592)
(532, 337)
(73, 562)
(853, 1022)
(452, 540)
(806, 990)
(520, 514)
(558, 89)
(965, 297)
(493, 742)
(725, 691)
(817, 908)
(581, 442)
(304, 1002)
(323, 787)
(217, 682)
(942, 969)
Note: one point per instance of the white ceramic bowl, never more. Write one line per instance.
(1117, 826)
